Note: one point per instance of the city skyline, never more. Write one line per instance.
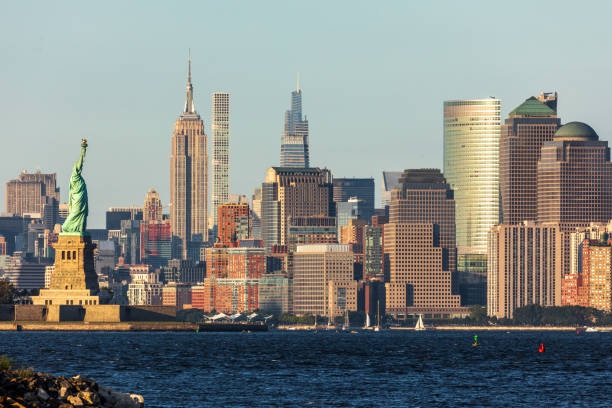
(123, 96)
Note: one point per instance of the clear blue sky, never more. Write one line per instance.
(374, 76)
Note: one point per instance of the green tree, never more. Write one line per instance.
(478, 314)
(7, 291)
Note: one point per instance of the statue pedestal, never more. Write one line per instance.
(74, 280)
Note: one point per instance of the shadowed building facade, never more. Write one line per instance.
(419, 246)
(189, 176)
(361, 188)
(471, 167)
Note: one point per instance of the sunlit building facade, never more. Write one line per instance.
(419, 247)
(524, 267)
(189, 176)
(152, 209)
(471, 167)
(220, 124)
(530, 125)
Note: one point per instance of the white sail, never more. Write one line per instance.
(367, 320)
(419, 324)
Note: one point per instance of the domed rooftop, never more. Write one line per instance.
(577, 131)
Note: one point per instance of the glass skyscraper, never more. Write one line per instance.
(294, 144)
(471, 166)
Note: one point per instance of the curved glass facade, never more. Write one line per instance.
(471, 167)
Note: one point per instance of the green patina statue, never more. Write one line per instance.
(76, 223)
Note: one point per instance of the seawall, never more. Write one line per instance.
(83, 326)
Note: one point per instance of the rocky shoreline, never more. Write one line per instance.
(24, 388)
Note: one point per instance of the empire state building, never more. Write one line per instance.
(189, 176)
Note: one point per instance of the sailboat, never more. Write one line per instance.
(419, 325)
(346, 324)
(367, 322)
(377, 328)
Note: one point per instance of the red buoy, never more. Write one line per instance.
(541, 349)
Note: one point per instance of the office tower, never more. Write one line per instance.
(275, 293)
(233, 223)
(24, 273)
(574, 181)
(373, 251)
(184, 271)
(115, 215)
(311, 230)
(155, 243)
(471, 167)
(361, 188)
(220, 150)
(323, 280)
(30, 192)
(256, 213)
(189, 177)
(37, 240)
(523, 133)
(2, 246)
(129, 240)
(36, 195)
(14, 229)
(152, 209)
(419, 245)
(353, 209)
(524, 267)
(390, 183)
(575, 178)
(105, 257)
(290, 192)
(294, 144)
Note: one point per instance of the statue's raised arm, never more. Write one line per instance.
(76, 223)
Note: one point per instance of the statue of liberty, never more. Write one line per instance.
(76, 223)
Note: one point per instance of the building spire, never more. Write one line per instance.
(189, 67)
(298, 82)
(189, 105)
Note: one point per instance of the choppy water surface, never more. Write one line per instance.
(331, 369)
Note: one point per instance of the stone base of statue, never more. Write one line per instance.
(74, 280)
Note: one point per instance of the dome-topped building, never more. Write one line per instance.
(576, 131)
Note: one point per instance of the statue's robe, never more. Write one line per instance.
(78, 207)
